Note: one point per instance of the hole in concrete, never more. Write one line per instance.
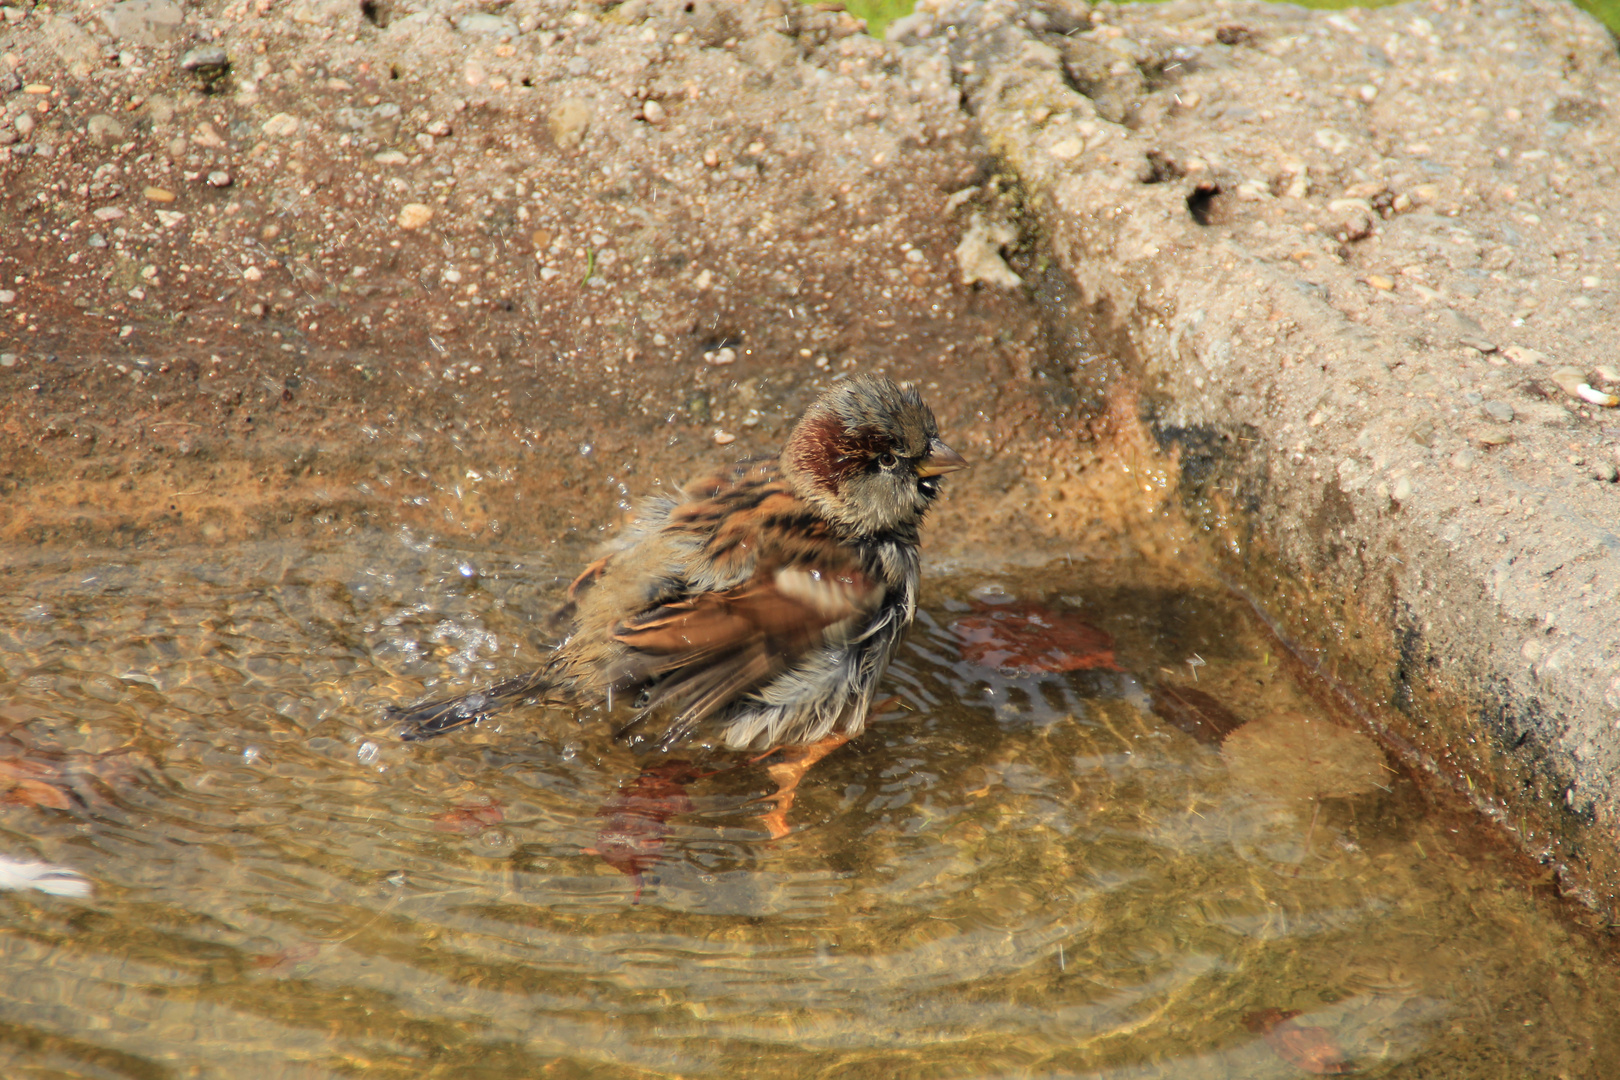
(1201, 201)
(376, 12)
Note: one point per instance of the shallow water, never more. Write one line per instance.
(1007, 876)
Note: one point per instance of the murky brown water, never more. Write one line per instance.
(1007, 876)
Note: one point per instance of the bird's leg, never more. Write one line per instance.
(795, 762)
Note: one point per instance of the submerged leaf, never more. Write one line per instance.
(469, 817)
(1303, 1046)
(1196, 713)
(1028, 639)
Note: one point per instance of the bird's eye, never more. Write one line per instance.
(887, 460)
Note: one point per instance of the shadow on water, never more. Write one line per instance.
(1101, 833)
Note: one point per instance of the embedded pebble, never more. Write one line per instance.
(569, 122)
(104, 129)
(219, 178)
(144, 22)
(414, 215)
(1499, 410)
(205, 58)
(157, 194)
(7, 296)
(653, 112)
(280, 125)
(1523, 356)
(978, 254)
(723, 438)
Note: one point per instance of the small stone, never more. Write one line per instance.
(253, 273)
(104, 129)
(723, 438)
(96, 241)
(108, 213)
(1523, 356)
(569, 122)
(144, 22)
(1569, 379)
(653, 112)
(1590, 394)
(711, 158)
(978, 254)
(1402, 490)
(157, 194)
(207, 58)
(1499, 410)
(438, 128)
(280, 125)
(483, 23)
(1067, 149)
(721, 356)
(37, 88)
(24, 124)
(1605, 471)
(205, 135)
(414, 215)
(219, 178)
(7, 296)
(1477, 344)
(390, 157)
(8, 359)
(1379, 282)
(1464, 458)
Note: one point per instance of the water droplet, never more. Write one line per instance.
(251, 754)
(367, 752)
(467, 570)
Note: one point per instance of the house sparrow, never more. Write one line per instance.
(760, 609)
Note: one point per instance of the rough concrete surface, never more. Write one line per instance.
(491, 269)
(1366, 265)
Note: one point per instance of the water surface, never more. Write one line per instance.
(1009, 875)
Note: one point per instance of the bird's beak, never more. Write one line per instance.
(940, 459)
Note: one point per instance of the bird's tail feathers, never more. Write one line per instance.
(447, 714)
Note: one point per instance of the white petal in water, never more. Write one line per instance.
(46, 877)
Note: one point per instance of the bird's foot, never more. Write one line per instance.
(787, 772)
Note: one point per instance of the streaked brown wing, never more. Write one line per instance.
(709, 650)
